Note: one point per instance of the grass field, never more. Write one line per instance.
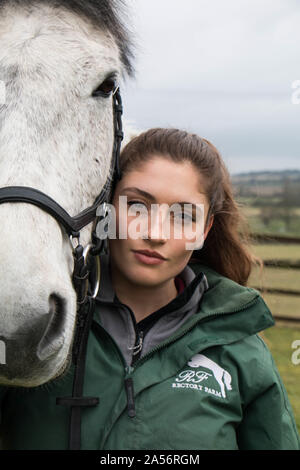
(277, 251)
(283, 278)
(276, 223)
(279, 339)
(276, 226)
(255, 211)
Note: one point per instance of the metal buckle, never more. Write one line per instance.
(72, 238)
(85, 253)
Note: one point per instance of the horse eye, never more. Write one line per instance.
(105, 89)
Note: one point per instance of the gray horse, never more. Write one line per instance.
(55, 136)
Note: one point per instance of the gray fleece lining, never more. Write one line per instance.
(117, 319)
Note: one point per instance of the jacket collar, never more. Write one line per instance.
(223, 294)
(228, 311)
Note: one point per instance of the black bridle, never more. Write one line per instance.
(83, 273)
(72, 225)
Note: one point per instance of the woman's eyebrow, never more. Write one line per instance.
(141, 192)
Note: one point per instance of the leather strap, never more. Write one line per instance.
(46, 203)
(76, 402)
(72, 225)
(85, 302)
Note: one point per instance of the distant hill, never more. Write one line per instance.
(266, 183)
(276, 176)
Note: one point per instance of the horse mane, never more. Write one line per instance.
(105, 14)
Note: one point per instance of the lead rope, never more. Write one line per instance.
(86, 304)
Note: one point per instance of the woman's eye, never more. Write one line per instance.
(106, 88)
(130, 203)
(137, 205)
(182, 216)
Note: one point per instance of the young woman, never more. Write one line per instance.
(174, 353)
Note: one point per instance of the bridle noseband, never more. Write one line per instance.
(82, 274)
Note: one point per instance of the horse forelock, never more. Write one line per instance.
(109, 15)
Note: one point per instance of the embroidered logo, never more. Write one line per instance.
(192, 379)
(221, 375)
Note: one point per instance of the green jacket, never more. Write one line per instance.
(211, 385)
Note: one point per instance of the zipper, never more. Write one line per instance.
(129, 387)
(130, 369)
(130, 397)
(137, 348)
(128, 381)
(136, 352)
(139, 335)
(184, 332)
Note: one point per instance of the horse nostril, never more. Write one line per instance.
(53, 338)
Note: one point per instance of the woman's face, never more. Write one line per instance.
(145, 217)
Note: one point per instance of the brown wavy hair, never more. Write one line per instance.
(227, 248)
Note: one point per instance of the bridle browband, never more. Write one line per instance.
(83, 272)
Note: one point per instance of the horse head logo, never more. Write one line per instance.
(221, 375)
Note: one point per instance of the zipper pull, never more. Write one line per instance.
(137, 350)
(129, 370)
(130, 397)
(138, 347)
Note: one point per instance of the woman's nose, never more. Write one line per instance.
(159, 223)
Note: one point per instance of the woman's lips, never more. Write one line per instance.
(147, 259)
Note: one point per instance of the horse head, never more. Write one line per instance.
(60, 62)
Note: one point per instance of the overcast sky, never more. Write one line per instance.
(223, 69)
